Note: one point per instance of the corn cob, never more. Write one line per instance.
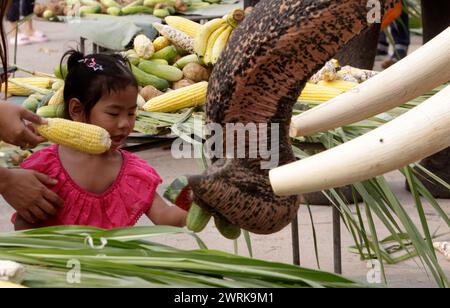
(83, 137)
(160, 43)
(316, 93)
(339, 84)
(26, 86)
(191, 96)
(182, 24)
(178, 38)
(57, 84)
(57, 98)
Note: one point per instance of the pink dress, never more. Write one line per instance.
(121, 205)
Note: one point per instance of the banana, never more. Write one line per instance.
(220, 44)
(201, 39)
(211, 42)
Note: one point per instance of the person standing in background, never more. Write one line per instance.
(23, 8)
(402, 39)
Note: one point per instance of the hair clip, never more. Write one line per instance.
(91, 63)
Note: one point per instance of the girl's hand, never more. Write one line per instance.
(13, 126)
(163, 213)
(27, 193)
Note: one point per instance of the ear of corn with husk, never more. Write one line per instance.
(83, 137)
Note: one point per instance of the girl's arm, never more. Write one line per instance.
(162, 212)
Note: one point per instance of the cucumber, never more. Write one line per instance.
(110, 3)
(114, 11)
(197, 218)
(152, 3)
(160, 61)
(145, 79)
(53, 111)
(168, 53)
(161, 13)
(84, 10)
(182, 62)
(227, 229)
(135, 3)
(89, 2)
(164, 71)
(140, 9)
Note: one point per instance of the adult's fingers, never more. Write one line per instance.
(53, 198)
(32, 117)
(46, 207)
(38, 213)
(28, 217)
(29, 138)
(49, 195)
(45, 179)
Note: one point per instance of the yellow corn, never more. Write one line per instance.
(83, 137)
(338, 84)
(317, 93)
(182, 24)
(160, 43)
(10, 285)
(57, 98)
(191, 96)
(14, 89)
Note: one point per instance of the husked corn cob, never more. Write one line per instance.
(339, 84)
(24, 86)
(182, 24)
(160, 43)
(316, 93)
(57, 98)
(177, 37)
(83, 137)
(191, 96)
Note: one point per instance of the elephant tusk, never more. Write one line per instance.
(422, 71)
(414, 135)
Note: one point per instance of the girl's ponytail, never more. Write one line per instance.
(74, 57)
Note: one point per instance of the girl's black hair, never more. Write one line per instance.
(89, 83)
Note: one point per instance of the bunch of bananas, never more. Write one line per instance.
(213, 36)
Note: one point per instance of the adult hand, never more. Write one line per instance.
(26, 192)
(14, 129)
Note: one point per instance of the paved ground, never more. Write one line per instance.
(276, 247)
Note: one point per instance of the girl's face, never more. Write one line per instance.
(116, 113)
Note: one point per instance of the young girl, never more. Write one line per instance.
(113, 189)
